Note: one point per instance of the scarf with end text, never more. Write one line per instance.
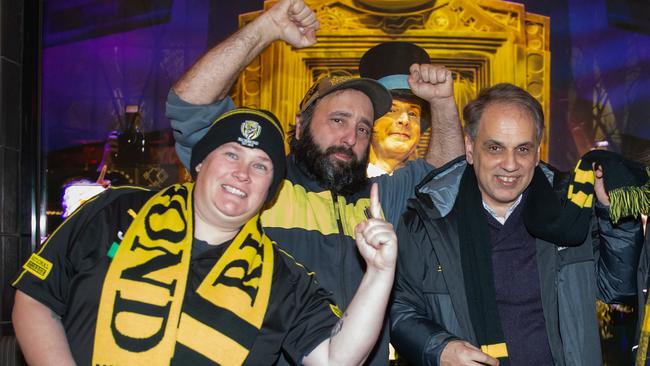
(141, 314)
(476, 260)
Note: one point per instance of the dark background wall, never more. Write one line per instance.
(18, 142)
(93, 70)
(600, 76)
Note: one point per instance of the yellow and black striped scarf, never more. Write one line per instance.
(141, 314)
(562, 221)
(566, 221)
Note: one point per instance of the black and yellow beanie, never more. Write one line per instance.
(253, 128)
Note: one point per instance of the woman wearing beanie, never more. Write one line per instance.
(186, 275)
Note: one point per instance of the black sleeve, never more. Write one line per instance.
(619, 248)
(78, 243)
(314, 318)
(414, 332)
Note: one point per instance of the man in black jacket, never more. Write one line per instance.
(493, 267)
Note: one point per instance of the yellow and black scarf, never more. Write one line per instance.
(566, 221)
(141, 313)
(476, 260)
(562, 221)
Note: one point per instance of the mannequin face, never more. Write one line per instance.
(397, 133)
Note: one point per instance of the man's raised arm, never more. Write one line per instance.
(212, 76)
(435, 84)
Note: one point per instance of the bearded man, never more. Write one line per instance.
(326, 191)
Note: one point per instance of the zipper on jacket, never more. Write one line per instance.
(424, 217)
(343, 247)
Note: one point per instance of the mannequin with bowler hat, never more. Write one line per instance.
(396, 134)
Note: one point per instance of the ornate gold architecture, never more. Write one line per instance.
(483, 42)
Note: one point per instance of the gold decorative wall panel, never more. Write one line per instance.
(483, 42)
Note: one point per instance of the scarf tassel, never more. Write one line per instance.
(630, 201)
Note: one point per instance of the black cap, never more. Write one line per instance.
(253, 128)
(378, 94)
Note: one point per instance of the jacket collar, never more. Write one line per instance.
(439, 188)
(296, 173)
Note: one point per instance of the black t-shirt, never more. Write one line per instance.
(298, 318)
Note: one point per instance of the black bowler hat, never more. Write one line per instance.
(389, 64)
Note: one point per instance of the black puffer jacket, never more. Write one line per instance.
(430, 305)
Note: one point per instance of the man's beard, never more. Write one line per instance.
(339, 176)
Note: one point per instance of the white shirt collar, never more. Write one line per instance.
(502, 220)
(374, 171)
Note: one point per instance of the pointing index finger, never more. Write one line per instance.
(375, 206)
